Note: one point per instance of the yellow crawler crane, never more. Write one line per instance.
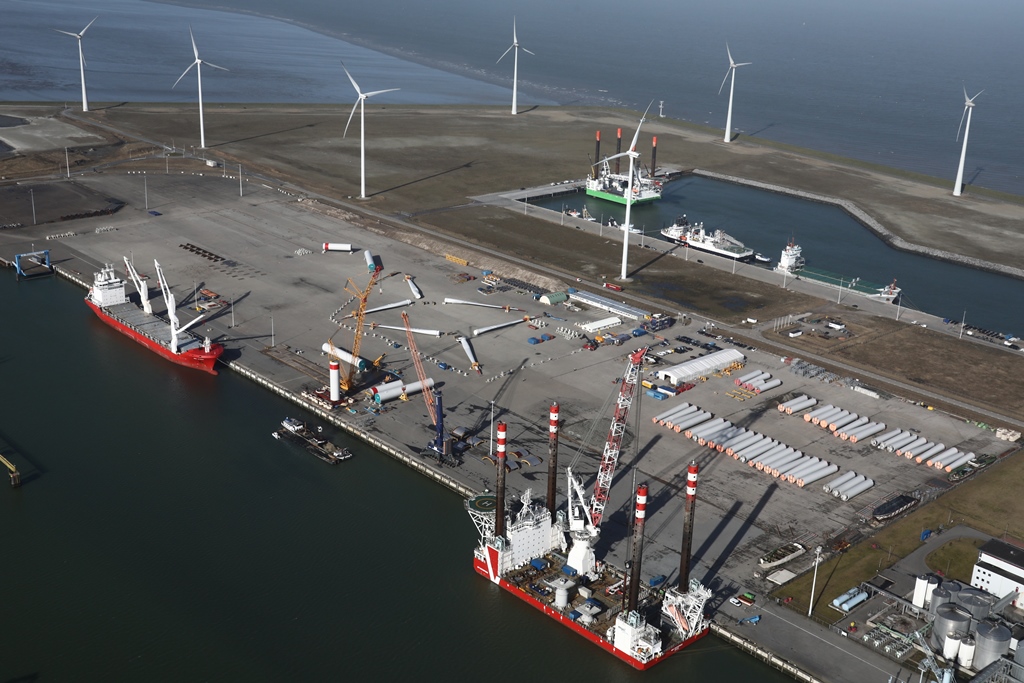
(347, 380)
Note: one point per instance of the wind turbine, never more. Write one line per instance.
(732, 70)
(968, 107)
(633, 155)
(515, 69)
(198, 64)
(81, 59)
(362, 127)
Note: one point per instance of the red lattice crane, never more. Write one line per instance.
(613, 445)
(428, 396)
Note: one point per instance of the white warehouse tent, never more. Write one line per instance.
(700, 367)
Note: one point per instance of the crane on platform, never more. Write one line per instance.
(12, 471)
(585, 520)
(929, 664)
(421, 375)
(347, 381)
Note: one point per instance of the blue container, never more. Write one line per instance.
(655, 394)
(574, 615)
(571, 290)
(657, 580)
(569, 571)
(638, 332)
(485, 273)
(539, 563)
(533, 340)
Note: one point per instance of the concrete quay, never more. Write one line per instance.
(283, 293)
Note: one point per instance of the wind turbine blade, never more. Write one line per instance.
(962, 117)
(727, 72)
(636, 135)
(216, 67)
(184, 72)
(82, 32)
(75, 35)
(514, 40)
(731, 63)
(975, 97)
(742, 64)
(350, 118)
(378, 92)
(506, 52)
(354, 84)
(527, 51)
(614, 156)
(195, 50)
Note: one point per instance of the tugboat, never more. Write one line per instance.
(323, 449)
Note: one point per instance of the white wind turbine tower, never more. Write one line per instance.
(81, 59)
(362, 126)
(968, 107)
(515, 68)
(198, 64)
(633, 155)
(732, 70)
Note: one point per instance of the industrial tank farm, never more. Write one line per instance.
(285, 266)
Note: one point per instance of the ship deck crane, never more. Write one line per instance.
(941, 675)
(585, 520)
(12, 471)
(362, 295)
(421, 374)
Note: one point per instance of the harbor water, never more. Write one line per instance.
(161, 534)
(831, 239)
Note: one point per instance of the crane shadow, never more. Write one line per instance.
(737, 537)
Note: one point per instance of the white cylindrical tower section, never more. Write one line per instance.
(335, 381)
(336, 246)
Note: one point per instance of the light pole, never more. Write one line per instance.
(814, 581)
(272, 342)
(32, 195)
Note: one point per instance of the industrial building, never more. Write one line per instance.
(701, 367)
(606, 304)
(1000, 570)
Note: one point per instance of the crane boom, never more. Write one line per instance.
(613, 445)
(362, 295)
(421, 374)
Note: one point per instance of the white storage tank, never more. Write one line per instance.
(920, 586)
(992, 642)
(951, 647)
(966, 655)
(933, 583)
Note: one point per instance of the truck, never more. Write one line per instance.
(612, 286)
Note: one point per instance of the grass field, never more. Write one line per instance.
(989, 502)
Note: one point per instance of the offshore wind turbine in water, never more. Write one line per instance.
(732, 71)
(360, 102)
(515, 67)
(968, 108)
(81, 59)
(198, 64)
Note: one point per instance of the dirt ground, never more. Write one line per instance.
(423, 163)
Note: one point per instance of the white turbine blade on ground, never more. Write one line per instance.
(195, 50)
(82, 32)
(506, 52)
(351, 115)
(215, 66)
(378, 92)
(636, 135)
(962, 117)
(354, 84)
(184, 72)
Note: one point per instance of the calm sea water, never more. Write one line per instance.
(162, 535)
(831, 240)
(873, 80)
